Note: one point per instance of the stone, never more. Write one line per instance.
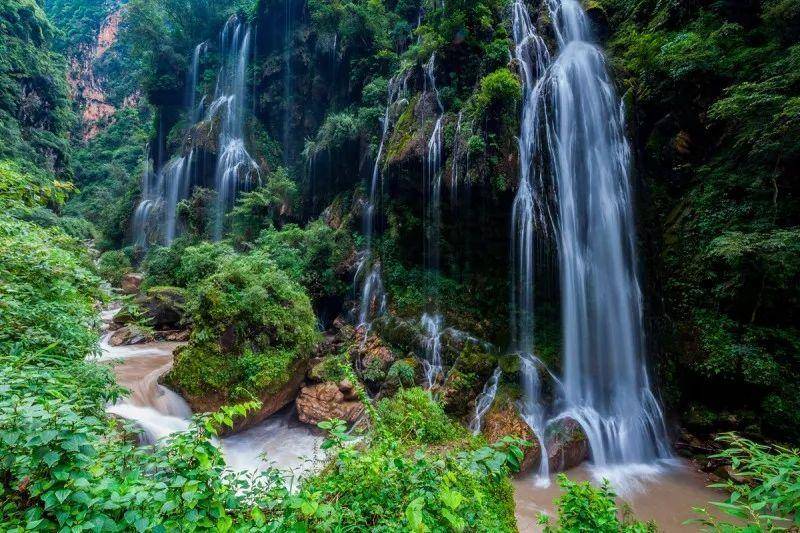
(504, 420)
(567, 445)
(131, 282)
(325, 401)
(163, 306)
(271, 401)
(127, 335)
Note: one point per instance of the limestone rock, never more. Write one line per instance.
(131, 282)
(567, 445)
(324, 401)
(503, 420)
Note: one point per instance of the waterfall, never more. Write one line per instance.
(235, 170)
(572, 132)
(373, 296)
(195, 109)
(484, 401)
(454, 164)
(432, 321)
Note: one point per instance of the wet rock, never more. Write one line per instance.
(161, 307)
(271, 401)
(131, 282)
(179, 335)
(127, 335)
(402, 334)
(567, 445)
(504, 419)
(325, 401)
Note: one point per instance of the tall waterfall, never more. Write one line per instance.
(163, 188)
(432, 321)
(373, 297)
(236, 170)
(572, 134)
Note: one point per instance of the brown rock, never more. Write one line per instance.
(324, 401)
(271, 402)
(373, 353)
(504, 420)
(127, 335)
(131, 282)
(567, 445)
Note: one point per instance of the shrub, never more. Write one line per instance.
(113, 265)
(47, 291)
(200, 261)
(412, 415)
(765, 488)
(499, 93)
(583, 507)
(252, 324)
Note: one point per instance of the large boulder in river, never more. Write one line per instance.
(128, 335)
(253, 333)
(131, 282)
(567, 445)
(325, 401)
(503, 419)
(161, 307)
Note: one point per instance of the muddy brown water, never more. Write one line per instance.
(665, 497)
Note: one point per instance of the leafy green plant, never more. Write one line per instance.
(764, 487)
(584, 507)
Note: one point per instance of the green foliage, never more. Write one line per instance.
(413, 416)
(252, 326)
(47, 291)
(113, 265)
(107, 170)
(34, 111)
(499, 94)
(765, 488)
(583, 507)
(715, 90)
(266, 206)
(311, 256)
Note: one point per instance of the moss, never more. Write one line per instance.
(253, 325)
(404, 132)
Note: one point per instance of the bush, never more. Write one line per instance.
(583, 507)
(499, 94)
(412, 415)
(252, 325)
(113, 265)
(765, 487)
(47, 291)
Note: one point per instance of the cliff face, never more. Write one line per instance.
(88, 81)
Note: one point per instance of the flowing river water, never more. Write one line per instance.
(665, 495)
(280, 441)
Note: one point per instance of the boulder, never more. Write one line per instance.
(127, 335)
(161, 307)
(131, 282)
(567, 445)
(325, 401)
(504, 420)
(271, 401)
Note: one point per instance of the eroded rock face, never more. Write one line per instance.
(325, 401)
(504, 419)
(131, 282)
(567, 445)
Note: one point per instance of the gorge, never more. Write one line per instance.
(399, 265)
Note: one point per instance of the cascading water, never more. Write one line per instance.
(571, 101)
(195, 109)
(373, 296)
(484, 401)
(605, 379)
(432, 321)
(236, 170)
